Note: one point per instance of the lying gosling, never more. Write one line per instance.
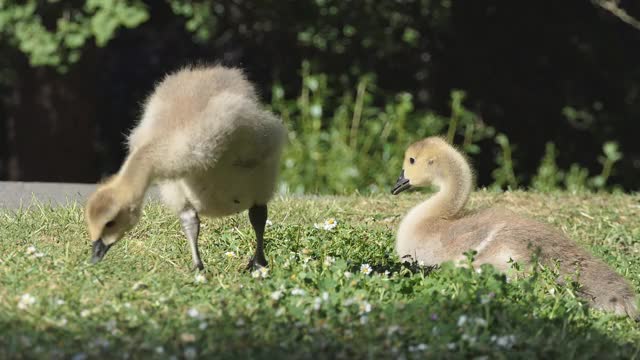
(210, 146)
(435, 231)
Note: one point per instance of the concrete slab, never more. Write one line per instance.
(16, 195)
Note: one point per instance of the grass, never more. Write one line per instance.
(144, 301)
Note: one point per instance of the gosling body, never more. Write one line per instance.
(210, 146)
(437, 230)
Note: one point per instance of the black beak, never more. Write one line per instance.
(99, 250)
(402, 184)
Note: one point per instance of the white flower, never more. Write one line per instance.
(269, 223)
(462, 320)
(230, 254)
(325, 296)
(315, 110)
(31, 250)
(347, 274)
(298, 292)
(451, 346)
(85, 313)
(480, 321)
(329, 260)
(365, 307)
(419, 347)
(194, 313)
(317, 303)
(200, 279)
(59, 302)
(38, 254)
(190, 353)
(25, 301)
(468, 338)
(276, 295)
(506, 341)
(327, 225)
(365, 269)
(262, 272)
(393, 329)
(159, 350)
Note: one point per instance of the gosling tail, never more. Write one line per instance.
(606, 289)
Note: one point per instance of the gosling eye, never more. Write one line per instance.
(110, 224)
(412, 160)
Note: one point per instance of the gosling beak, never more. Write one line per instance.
(99, 250)
(402, 184)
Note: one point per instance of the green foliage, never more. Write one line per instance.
(341, 143)
(23, 24)
(318, 298)
(549, 176)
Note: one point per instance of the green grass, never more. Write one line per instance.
(144, 301)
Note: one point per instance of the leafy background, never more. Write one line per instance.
(540, 94)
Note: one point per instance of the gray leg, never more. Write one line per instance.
(258, 219)
(191, 227)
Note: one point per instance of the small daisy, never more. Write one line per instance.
(506, 341)
(276, 295)
(262, 272)
(200, 279)
(193, 313)
(31, 250)
(269, 223)
(25, 301)
(329, 260)
(298, 292)
(462, 320)
(365, 269)
(365, 308)
(327, 225)
(230, 254)
(317, 303)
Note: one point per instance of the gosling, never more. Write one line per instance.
(212, 149)
(436, 231)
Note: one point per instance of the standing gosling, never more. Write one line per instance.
(435, 231)
(211, 147)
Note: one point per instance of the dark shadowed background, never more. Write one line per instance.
(74, 74)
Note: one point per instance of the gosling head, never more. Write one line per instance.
(110, 212)
(426, 162)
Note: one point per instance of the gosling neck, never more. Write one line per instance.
(453, 191)
(136, 174)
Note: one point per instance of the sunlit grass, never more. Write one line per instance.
(329, 292)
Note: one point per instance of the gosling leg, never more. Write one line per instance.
(191, 227)
(258, 219)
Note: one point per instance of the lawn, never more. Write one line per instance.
(339, 293)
